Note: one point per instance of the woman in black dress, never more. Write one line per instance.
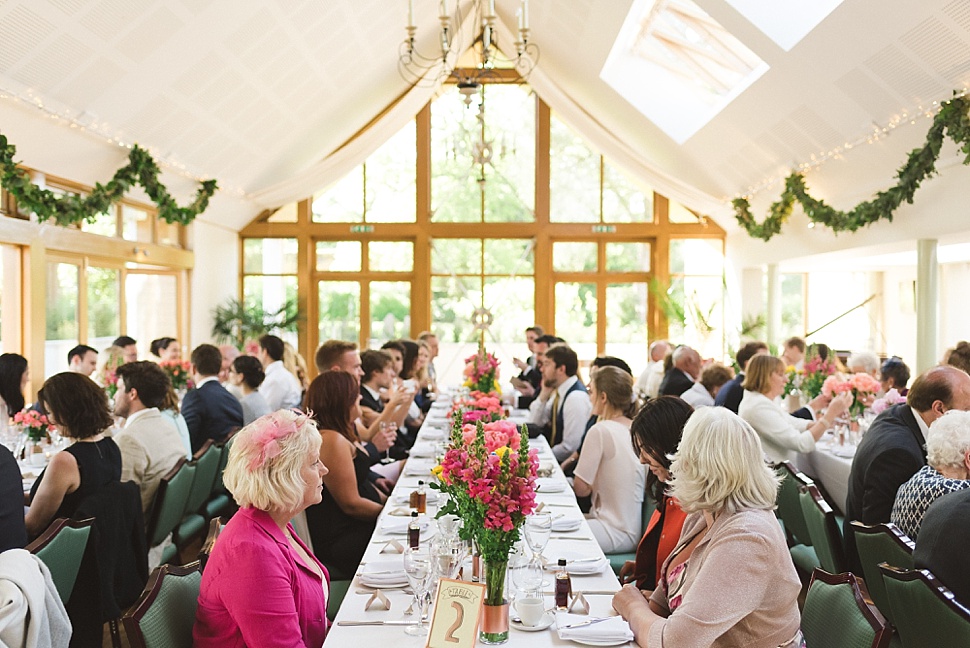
(79, 409)
(342, 524)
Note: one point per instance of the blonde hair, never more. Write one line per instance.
(616, 384)
(266, 458)
(948, 440)
(295, 364)
(720, 466)
(757, 377)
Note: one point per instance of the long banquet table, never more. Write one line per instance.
(830, 466)
(563, 502)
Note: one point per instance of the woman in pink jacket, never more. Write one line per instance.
(262, 586)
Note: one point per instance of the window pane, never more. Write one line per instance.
(338, 256)
(105, 224)
(342, 202)
(104, 306)
(151, 308)
(792, 305)
(509, 256)
(136, 224)
(576, 313)
(510, 178)
(339, 310)
(511, 301)
(62, 315)
(626, 323)
(269, 256)
(390, 311)
(574, 177)
(830, 295)
(168, 233)
(455, 193)
(625, 200)
(458, 256)
(574, 257)
(453, 303)
(680, 214)
(628, 257)
(697, 256)
(699, 319)
(391, 179)
(390, 256)
(266, 296)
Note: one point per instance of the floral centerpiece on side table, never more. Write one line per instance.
(481, 372)
(813, 376)
(489, 474)
(862, 386)
(178, 373)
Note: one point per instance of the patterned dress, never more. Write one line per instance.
(916, 495)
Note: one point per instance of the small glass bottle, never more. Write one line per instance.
(414, 531)
(564, 586)
(419, 499)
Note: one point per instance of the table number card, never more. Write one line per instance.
(457, 610)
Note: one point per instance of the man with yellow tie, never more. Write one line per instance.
(563, 406)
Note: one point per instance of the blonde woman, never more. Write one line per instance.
(262, 586)
(730, 581)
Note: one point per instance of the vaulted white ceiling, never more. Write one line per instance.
(253, 92)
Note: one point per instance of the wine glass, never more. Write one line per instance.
(448, 526)
(418, 568)
(447, 556)
(387, 426)
(538, 529)
(526, 573)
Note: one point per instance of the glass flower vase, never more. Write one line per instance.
(495, 619)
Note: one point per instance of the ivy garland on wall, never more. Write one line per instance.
(952, 119)
(72, 210)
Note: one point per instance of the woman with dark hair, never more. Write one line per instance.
(415, 416)
(410, 359)
(166, 349)
(655, 433)
(79, 410)
(342, 524)
(14, 376)
(246, 373)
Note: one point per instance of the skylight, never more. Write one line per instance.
(785, 21)
(678, 66)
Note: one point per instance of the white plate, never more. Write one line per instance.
(550, 485)
(604, 642)
(546, 621)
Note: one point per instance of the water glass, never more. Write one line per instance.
(418, 568)
(538, 529)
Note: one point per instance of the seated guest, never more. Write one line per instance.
(893, 449)
(959, 356)
(79, 410)
(529, 383)
(13, 532)
(82, 359)
(14, 378)
(656, 432)
(229, 353)
(210, 411)
(732, 392)
(649, 383)
(342, 524)
(150, 444)
(562, 407)
(422, 375)
(730, 581)
(793, 353)
(129, 345)
(171, 411)
(608, 470)
(280, 388)
(943, 540)
(408, 375)
(166, 349)
(948, 470)
(340, 355)
(431, 340)
(781, 433)
(378, 376)
(894, 374)
(865, 362)
(704, 391)
(246, 375)
(528, 365)
(296, 365)
(262, 586)
(684, 370)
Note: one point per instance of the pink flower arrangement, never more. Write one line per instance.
(481, 372)
(36, 425)
(489, 472)
(891, 398)
(814, 373)
(862, 386)
(178, 373)
(478, 406)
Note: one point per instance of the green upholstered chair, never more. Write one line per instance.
(169, 507)
(164, 614)
(838, 614)
(789, 511)
(338, 589)
(646, 510)
(193, 522)
(220, 502)
(61, 548)
(823, 529)
(882, 543)
(925, 612)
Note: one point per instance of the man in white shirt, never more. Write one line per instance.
(650, 379)
(280, 388)
(150, 443)
(83, 359)
(563, 406)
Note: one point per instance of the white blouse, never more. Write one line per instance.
(782, 435)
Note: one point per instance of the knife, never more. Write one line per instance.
(582, 623)
(391, 622)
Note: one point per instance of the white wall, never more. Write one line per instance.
(954, 304)
(215, 277)
(899, 304)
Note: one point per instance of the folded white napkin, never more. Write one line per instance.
(423, 449)
(565, 524)
(550, 485)
(419, 467)
(577, 562)
(433, 434)
(393, 525)
(613, 629)
(385, 572)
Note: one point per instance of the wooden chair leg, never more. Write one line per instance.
(115, 634)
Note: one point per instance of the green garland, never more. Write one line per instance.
(921, 164)
(71, 210)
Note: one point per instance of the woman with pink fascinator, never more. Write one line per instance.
(262, 586)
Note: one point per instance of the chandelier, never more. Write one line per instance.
(414, 66)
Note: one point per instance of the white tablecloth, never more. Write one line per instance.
(829, 466)
(580, 540)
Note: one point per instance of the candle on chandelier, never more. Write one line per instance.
(491, 8)
(525, 14)
(410, 13)
(442, 11)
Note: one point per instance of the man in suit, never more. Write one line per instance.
(683, 373)
(150, 443)
(83, 359)
(209, 410)
(13, 531)
(379, 375)
(563, 406)
(732, 392)
(894, 448)
(943, 540)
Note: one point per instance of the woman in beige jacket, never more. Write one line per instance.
(730, 582)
